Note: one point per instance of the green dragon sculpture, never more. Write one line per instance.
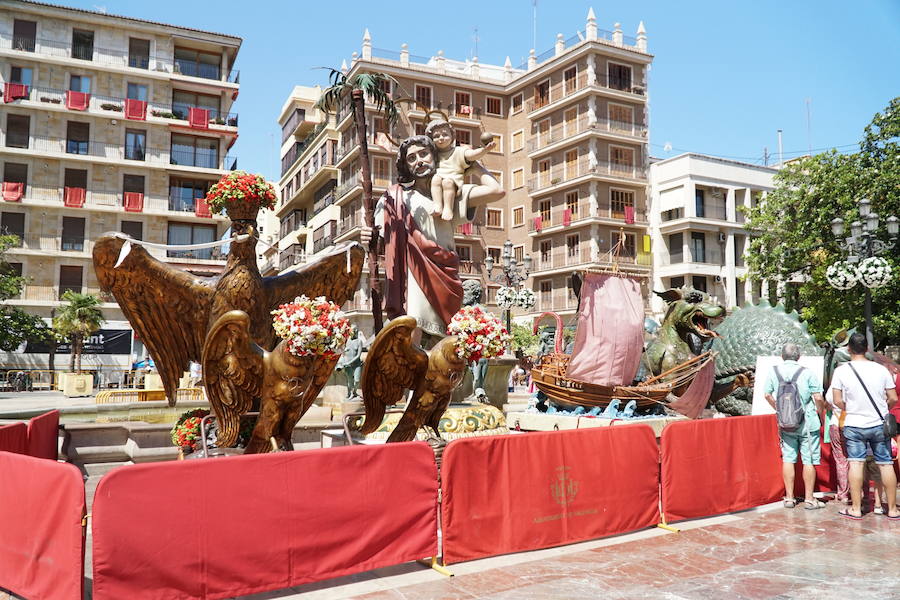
(684, 330)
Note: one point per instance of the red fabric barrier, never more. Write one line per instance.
(43, 434)
(715, 466)
(514, 493)
(13, 438)
(135, 109)
(41, 536)
(198, 118)
(77, 100)
(219, 528)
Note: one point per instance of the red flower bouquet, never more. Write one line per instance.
(312, 327)
(481, 334)
(241, 195)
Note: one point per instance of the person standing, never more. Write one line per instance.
(865, 391)
(805, 439)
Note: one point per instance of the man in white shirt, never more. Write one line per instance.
(863, 426)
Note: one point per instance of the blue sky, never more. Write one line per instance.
(725, 77)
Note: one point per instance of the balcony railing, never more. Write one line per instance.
(565, 172)
(111, 198)
(322, 243)
(55, 243)
(562, 258)
(295, 254)
(117, 58)
(350, 222)
(560, 216)
(324, 202)
(568, 129)
(713, 211)
(135, 152)
(564, 89)
(346, 186)
(199, 254)
(711, 256)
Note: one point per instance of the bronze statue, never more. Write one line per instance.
(395, 365)
(238, 370)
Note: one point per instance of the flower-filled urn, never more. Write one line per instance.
(240, 195)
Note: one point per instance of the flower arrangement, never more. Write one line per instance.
(481, 334)
(506, 297)
(525, 298)
(874, 272)
(841, 275)
(242, 193)
(312, 327)
(186, 431)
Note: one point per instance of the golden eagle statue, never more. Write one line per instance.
(394, 364)
(172, 310)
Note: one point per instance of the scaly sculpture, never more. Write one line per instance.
(395, 365)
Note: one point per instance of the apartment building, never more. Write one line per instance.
(108, 124)
(697, 217)
(572, 155)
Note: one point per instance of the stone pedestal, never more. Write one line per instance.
(76, 384)
(496, 382)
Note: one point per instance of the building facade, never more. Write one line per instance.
(697, 217)
(572, 155)
(108, 124)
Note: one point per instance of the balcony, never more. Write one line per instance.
(557, 92)
(42, 242)
(569, 129)
(561, 259)
(566, 172)
(350, 222)
(473, 229)
(344, 188)
(324, 202)
(560, 216)
(295, 254)
(322, 243)
(711, 256)
(199, 254)
(119, 58)
(134, 153)
(298, 149)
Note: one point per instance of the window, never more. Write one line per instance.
(133, 184)
(621, 156)
(135, 229)
(572, 242)
(699, 282)
(518, 140)
(546, 249)
(16, 173)
(619, 200)
(570, 121)
(630, 246)
(676, 282)
(544, 173)
(571, 163)
(519, 254)
(572, 203)
(544, 209)
(137, 91)
(385, 86)
(495, 218)
(546, 295)
(739, 241)
(73, 233)
(570, 80)
(462, 102)
(183, 101)
(698, 246)
(196, 63)
(381, 172)
(188, 233)
(77, 137)
(464, 252)
(17, 127)
(80, 83)
(194, 151)
(463, 136)
(517, 103)
(543, 132)
(699, 203)
(518, 178)
(619, 76)
(83, 44)
(423, 95)
(494, 253)
(70, 278)
(675, 242)
(138, 53)
(21, 75)
(493, 105)
(541, 94)
(135, 144)
(13, 223)
(24, 34)
(621, 114)
(420, 128)
(518, 216)
(184, 192)
(75, 178)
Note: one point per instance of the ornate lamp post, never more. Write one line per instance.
(862, 245)
(512, 273)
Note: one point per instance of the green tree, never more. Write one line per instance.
(523, 340)
(77, 320)
(16, 325)
(354, 90)
(793, 239)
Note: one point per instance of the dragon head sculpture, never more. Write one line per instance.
(684, 330)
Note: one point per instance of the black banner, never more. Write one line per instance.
(104, 341)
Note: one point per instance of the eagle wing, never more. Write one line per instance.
(335, 276)
(167, 306)
(393, 365)
(233, 370)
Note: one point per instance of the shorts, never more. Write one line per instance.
(805, 443)
(860, 438)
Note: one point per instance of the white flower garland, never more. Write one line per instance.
(874, 272)
(526, 298)
(506, 297)
(841, 275)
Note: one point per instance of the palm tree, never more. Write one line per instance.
(76, 320)
(356, 89)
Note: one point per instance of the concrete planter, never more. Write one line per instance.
(76, 384)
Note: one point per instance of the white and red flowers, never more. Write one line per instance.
(239, 188)
(312, 327)
(481, 334)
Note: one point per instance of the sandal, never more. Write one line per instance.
(814, 505)
(878, 510)
(845, 512)
(894, 517)
(790, 503)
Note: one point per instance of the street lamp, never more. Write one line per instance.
(863, 244)
(512, 273)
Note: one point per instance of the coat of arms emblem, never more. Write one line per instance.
(563, 488)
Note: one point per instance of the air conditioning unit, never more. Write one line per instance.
(722, 237)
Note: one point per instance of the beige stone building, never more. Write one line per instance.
(572, 156)
(108, 124)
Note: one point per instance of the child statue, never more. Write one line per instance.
(453, 161)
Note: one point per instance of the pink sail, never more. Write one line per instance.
(694, 399)
(610, 334)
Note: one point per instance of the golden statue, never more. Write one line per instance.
(394, 365)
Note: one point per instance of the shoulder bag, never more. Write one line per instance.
(889, 420)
